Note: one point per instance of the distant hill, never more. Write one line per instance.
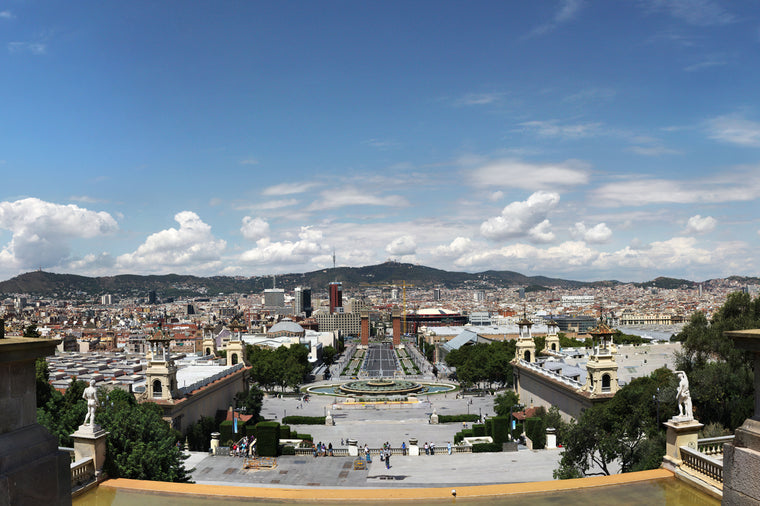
(48, 284)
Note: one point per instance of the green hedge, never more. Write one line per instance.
(225, 432)
(288, 450)
(499, 429)
(479, 429)
(486, 447)
(285, 432)
(458, 418)
(305, 437)
(534, 429)
(268, 438)
(304, 420)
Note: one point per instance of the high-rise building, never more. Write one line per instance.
(152, 297)
(436, 294)
(106, 300)
(336, 297)
(302, 301)
(274, 297)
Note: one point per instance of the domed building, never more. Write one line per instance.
(286, 328)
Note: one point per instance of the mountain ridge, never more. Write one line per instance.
(48, 284)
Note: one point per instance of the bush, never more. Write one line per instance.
(479, 429)
(458, 437)
(535, 430)
(458, 418)
(225, 431)
(486, 447)
(499, 429)
(304, 420)
(268, 438)
(288, 450)
(285, 432)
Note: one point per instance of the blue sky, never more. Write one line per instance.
(579, 139)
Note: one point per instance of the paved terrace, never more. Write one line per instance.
(374, 425)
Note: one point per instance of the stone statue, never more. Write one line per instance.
(91, 394)
(683, 396)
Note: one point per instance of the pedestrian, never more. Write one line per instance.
(403, 448)
(387, 459)
(427, 448)
(341, 441)
(448, 447)
(330, 449)
(432, 448)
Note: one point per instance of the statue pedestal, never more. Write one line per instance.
(353, 449)
(414, 448)
(434, 418)
(329, 419)
(90, 441)
(681, 432)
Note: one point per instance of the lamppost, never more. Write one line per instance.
(656, 399)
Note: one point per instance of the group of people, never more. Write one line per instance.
(320, 450)
(245, 447)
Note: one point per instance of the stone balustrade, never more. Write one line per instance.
(702, 464)
(82, 473)
(713, 446)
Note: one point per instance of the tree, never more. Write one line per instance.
(141, 445)
(328, 355)
(622, 430)
(250, 402)
(199, 434)
(720, 376)
(504, 402)
(31, 331)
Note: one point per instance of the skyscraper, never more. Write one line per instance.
(302, 301)
(336, 296)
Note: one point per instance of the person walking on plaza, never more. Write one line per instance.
(427, 449)
(388, 458)
(403, 448)
(448, 447)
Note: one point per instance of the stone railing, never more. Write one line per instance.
(702, 464)
(82, 473)
(343, 452)
(68, 450)
(713, 446)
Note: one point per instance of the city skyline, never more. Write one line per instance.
(572, 139)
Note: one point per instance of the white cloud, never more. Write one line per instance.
(403, 245)
(699, 225)
(566, 256)
(741, 185)
(497, 195)
(597, 234)
(6, 15)
(592, 95)
(271, 204)
(567, 11)
(734, 129)
(41, 231)
(659, 256)
(35, 48)
(519, 219)
(655, 150)
(512, 173)
(249, 161)
(351, 196)
(254, 228)
(188, 248)
(479, 99)
(288, 189)
(457, 247)
(304, 250)
(552, 128)
(695, 12)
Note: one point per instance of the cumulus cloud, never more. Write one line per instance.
(41, 231)
(519, 219)
(191, 246)
(570, 254)
(699, 225)
(513, 173)
(403, 245)
(457, 247)
(254, 228)
(660, 255)
(305, 249)
(597, 234)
